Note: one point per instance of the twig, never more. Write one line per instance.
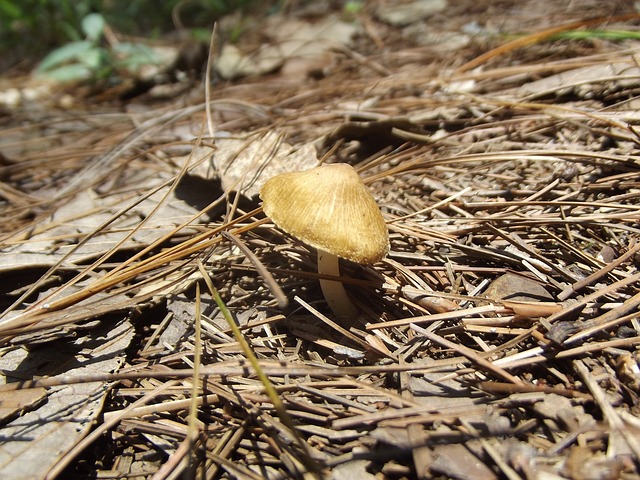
(595, 276)
(615, 422)
(435, 317)
(468, 353)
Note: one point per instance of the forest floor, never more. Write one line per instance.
(497, 339)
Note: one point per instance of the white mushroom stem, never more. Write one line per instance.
(333, 291)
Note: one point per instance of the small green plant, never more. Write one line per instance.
(353, 7)
(31, 28)
(89, 59)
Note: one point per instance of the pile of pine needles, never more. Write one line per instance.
(498, 339)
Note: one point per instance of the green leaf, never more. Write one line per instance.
(94, 58)
(68, 73)
(128, 48)
(93, 26)
(201, 34)
(353, 7)
(132, 56)
(68, 53)
(10, 9)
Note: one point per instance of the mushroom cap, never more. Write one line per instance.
(328, 208)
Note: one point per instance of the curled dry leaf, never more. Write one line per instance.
(533, 309)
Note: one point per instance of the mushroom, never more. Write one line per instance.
(329, 208)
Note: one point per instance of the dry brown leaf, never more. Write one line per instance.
(19, 402)
(87, 215)
(456, 461)
(585, 81)
(293, 41)
(517, 288)
(39, 438)
(408, 13)
(245, 164)
(351, 470)
(533, 309)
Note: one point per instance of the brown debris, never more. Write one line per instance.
(499, 337)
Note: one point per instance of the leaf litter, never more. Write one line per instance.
(498, 339)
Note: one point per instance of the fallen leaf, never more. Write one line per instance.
(533, 309)
(83, 219)
(35, 441)
(245, 164)
(585, 81)
(517, 288)
(456, 462)
(354, 469)
(15, 403)
(583, 464)
(401, 15)
(292, 40)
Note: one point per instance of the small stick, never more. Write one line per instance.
(508, 388)
(611, 416)
(332, 324)
(467, 352)
(579, 305)
(433, 318)
(579, 285)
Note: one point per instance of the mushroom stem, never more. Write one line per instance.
(333, 291)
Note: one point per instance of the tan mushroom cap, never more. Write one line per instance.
(328, 208)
